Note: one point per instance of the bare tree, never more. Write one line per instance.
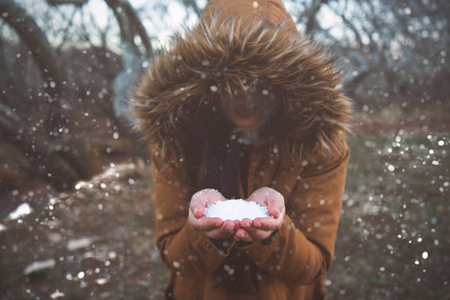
(192, 4)
(130, 25)
(386, 46)
(134, 59)
(78, 158)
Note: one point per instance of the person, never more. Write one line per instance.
(243, 107)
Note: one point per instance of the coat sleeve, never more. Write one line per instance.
(183, 249)
(302, 249)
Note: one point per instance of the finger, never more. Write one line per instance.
(227, 230)
(205, 197)
(246, 223)
(199, 211)
(206, 224)
(274, 209)
(237, 224)
(212, 196)
(242, 235)
(228, 225)
(197, 206)
(266, 223)
(258, 197)
(262, 196)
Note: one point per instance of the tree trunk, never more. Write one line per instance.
(50, 67)
(311, 14)
(130, 26)
(44, 164)
(80, 158)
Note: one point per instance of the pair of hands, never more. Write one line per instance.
(245, 230)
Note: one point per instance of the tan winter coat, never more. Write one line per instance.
(304, 157)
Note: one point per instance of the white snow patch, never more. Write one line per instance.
(57, 294)
(236, 209)
(76, 244)
(39, 265)
(101, 281)
(22, 210)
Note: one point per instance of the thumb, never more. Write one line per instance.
(199, 211)
(274, 210)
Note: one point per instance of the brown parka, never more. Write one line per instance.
(239, 43)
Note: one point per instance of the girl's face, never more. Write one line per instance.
(245, 114)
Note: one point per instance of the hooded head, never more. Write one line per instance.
(250, 48)
(268, 11)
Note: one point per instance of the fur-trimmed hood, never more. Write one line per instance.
(232, 51)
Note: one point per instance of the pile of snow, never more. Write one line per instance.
(75, 244)
(39, 266)
(21, 211)
(236, 209)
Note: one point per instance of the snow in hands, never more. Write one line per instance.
(236, 209)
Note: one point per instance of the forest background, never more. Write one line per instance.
(76, 218)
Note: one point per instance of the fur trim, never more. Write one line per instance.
(220, 57)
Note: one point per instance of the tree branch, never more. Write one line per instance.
(80, 157)
(44, 163)
(193, 5)
(350, 25)
(130, 25)
(74, 2)
(35, 39)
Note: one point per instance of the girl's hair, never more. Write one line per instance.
(213, 161)
(212, 158)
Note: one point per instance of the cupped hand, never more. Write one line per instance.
(214, 228)
(261, 228)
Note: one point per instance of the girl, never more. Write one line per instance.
(243, 107)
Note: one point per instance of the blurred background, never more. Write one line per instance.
(76, 213)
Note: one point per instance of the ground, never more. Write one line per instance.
(393, 240)
(100, 238)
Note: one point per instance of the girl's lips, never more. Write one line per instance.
(243, 111)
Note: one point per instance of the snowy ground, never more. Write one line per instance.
(95, 244)
(394, 236)
(98, 243)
